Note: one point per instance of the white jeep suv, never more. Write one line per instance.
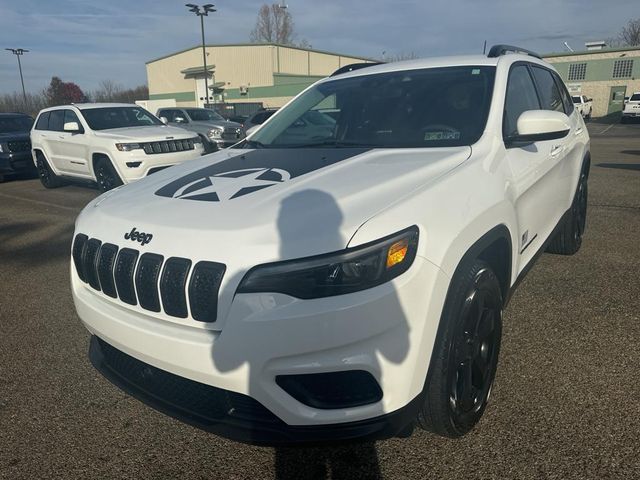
(108, 143)
(342, 282)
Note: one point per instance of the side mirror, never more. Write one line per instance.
(164, 120)
(252, 129)
(179, 120)
(72, 127)
(540, 125)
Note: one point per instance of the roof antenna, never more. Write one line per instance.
(484, 49)
(568, 47)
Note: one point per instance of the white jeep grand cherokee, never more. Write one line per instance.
(313, 283)
(108, 143)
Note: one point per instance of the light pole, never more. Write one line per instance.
(203, 12)
(18, 52)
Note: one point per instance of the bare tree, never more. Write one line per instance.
(273, 25)
(630, 33)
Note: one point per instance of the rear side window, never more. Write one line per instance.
(43, 121)
(521, 96)
(56, 121)
(549, 92)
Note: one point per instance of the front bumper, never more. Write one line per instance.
(136, 164)
(16, 162)
(229, 414)
(387, 331)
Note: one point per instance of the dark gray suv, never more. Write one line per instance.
(215, 131)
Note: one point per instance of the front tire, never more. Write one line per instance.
(465, 355)
(568, 240)
(46, 175)
(106, 176)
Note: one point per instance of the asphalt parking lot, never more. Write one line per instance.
(566, 402)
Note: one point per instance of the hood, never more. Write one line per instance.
(245, 207)
(148, 133)
(216, 123)
(14, 136)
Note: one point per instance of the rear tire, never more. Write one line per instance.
(106, 176)
(568, 240)
(465, 354)
(46, 175)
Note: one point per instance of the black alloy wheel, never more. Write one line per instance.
(465, 354)
(106, 176)
(46, 175)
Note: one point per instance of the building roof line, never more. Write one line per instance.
(313, 50)
(591, 52)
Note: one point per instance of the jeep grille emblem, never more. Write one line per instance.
(136, 236)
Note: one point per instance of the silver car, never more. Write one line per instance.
(215, 131)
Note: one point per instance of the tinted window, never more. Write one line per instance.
(564, 93)
(422, 108)
(168, 114)
(203, 115)
(549, 93)
(15, 124)
(70, 116)
(521, 96)
(56, 120)
(118, 117)
(43, 121)
(576, 99)
(635, 97)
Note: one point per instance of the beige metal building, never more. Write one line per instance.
(267, 73)
(605, 74)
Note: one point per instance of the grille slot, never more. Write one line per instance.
(147, 281)
(19, 145)
(89, 261)
(203, 290)
(123, 273)
(172, 286)
(76, 253)
(106, 261)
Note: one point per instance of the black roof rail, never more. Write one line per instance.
(354, 66)
(498, 50)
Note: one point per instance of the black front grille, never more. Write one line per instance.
(19, 145)
(192, 398)
(149, 280)
(106, 261)
(123, 273)
(167, 146)
(203, 290)
(172, 286)
(232, 133)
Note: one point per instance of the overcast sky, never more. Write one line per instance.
(88, 41)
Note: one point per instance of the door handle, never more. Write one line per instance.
(578, 131)
(556, 150)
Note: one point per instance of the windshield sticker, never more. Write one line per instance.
(445, 135)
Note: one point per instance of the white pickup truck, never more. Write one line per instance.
(583, 104)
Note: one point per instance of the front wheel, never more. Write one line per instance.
(106, 176)
(465, 355)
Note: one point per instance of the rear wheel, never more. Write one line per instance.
(46, 175)
(569, 239)
(106, 176)
(465, 354)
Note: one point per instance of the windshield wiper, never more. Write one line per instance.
(254, 144)
(333, 143)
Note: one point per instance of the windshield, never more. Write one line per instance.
(118, 117)
(203, 115)
(635, 97)
(576, 99)
(15, 124)
(432, 107)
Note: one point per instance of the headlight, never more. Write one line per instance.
(127, 147)
(347, 271)
(1, 149)
(215, 133)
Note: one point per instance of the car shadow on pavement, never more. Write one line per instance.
(622, 166)
(310, 221)
(34, 243)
